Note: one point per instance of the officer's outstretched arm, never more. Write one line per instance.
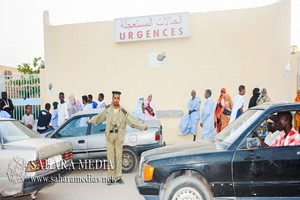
(132, 122)
(97, 119)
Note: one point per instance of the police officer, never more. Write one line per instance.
(116, 119)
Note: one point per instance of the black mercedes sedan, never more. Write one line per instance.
(233, 164)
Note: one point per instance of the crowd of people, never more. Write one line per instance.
(213, 117)
(277, 130)
(216, 116)
(61, 111)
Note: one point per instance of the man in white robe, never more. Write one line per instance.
(238, 104)
(62, 108)
(101, 102)
(190, 121)
(207, 119)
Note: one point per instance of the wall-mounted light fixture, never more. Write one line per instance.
(294, 49)
(42, 64)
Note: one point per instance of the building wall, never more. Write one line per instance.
(3, 69)
(225, 49)
(295, 76)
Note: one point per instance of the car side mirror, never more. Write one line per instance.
(253, 143)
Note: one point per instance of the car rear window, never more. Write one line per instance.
(11, 131)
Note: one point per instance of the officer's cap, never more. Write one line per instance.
(116, 92)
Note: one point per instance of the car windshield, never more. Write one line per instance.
(236, 128)
(11, 131)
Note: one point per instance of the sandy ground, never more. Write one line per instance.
(74, 191)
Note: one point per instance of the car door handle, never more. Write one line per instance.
(81, 141)
(298, 152)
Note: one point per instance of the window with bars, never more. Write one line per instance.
(7, 74)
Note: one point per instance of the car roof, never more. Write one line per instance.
(90, 111)
(274, 105)
(7, 119)
(150, 123)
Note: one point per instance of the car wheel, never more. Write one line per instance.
(187, 188)
(129, 160)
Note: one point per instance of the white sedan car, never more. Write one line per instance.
(29, 162)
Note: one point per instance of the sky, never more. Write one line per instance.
(21, 21)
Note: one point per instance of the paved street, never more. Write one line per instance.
(74, 191)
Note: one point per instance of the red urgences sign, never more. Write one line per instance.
(152, 27)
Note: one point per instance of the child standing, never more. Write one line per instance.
(28, 119)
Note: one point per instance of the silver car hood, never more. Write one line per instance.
(45, 147)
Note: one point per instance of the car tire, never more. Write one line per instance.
(187, 187)
(129, 160)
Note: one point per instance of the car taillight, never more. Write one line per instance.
(157, 135)
(37, 165)
(67, 156)
(42, 164)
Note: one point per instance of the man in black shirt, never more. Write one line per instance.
(7, 104)
(44, 120)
